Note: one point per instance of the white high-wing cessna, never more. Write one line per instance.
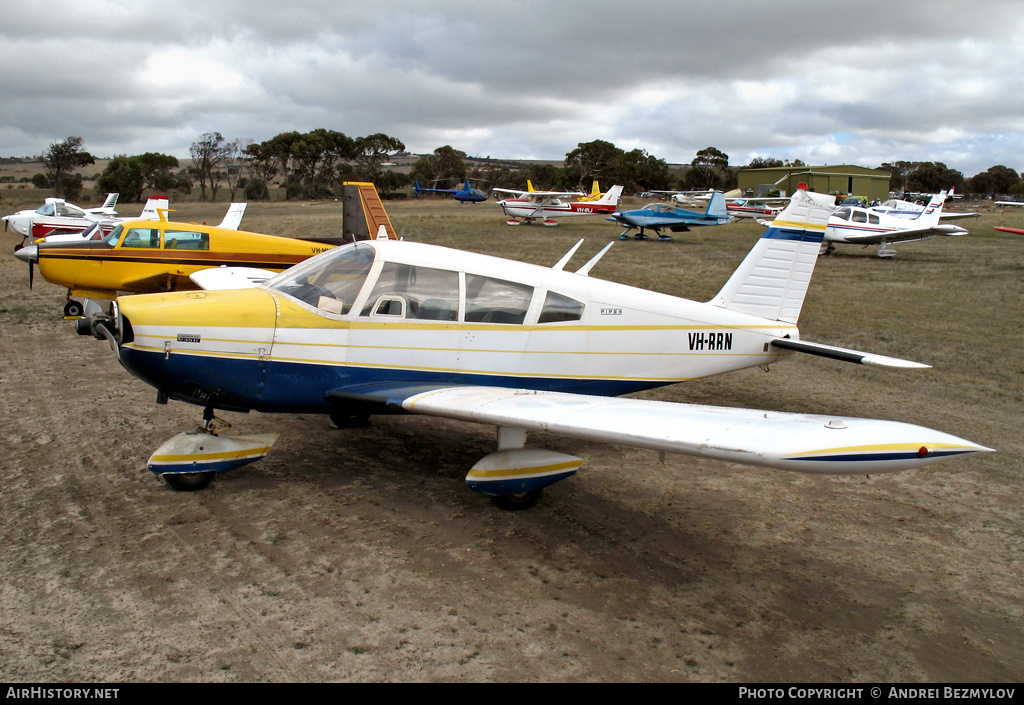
(391, 326)
(546, 205)
(863, 226)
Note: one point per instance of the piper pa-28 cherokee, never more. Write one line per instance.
(662, 215)
(547, 205)
(863, 226)
(393, 326)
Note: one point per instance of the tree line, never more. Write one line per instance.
(312, 165)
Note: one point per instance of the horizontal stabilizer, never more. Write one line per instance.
(217, 278)
(845, 354)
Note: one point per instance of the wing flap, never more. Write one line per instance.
(800, 442)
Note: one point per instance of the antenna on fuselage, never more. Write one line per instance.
(585, 269)
(568, 256)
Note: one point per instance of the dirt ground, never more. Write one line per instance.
(360, 555)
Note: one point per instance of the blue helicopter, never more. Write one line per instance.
(466, 194)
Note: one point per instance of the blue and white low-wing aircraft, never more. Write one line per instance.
(863, 226)
(658, 216)
(388, 326)
(909, 209)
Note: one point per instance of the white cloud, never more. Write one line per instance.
(868, 83)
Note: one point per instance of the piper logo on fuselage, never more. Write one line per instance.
(188, 338)
(611, 311)
(710, 341)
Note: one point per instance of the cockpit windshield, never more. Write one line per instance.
(330, 282)
(114, 236)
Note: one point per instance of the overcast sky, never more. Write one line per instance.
(826, 82)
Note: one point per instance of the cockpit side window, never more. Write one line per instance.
(842, 214)
(560, 309)
(421, 293)
(45, 209)
(142, 237)
(490, 300)
(186, 240)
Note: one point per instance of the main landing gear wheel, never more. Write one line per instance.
(350, 420)
(188, 481)
(73, 309)
(515, 502)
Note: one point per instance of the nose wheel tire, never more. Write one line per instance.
(515, 502)
(73, 309)
(188, 481)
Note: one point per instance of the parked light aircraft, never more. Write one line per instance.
(144, 256)
(594, 195)
(764, 207)
(394, 326)
(56, 213)
(862, 226)
(547, 205)
(96, 226)
(909, 209)
(662, 215)
(101, 229)
(466, 194)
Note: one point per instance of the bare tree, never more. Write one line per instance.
(208, 155)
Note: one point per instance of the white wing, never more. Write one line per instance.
(801, 442)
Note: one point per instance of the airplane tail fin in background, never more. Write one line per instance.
(233, 217)
(930, 215)
(108, 205)
(612, 196)
(772, 281)
(153, 205)
(716, 206)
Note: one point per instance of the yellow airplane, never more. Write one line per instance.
(595, 193)
(144, 256)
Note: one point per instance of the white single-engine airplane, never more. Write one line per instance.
(909, 209)
(64, 225)
(863, 226)
(546, 205)
(58, 214)
(392, 326)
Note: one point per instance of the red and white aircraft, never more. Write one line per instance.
(56, 213)
(546, 205)
(59, 220)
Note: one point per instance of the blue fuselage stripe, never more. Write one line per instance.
(288, 387)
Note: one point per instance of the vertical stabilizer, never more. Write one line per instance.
(716, 206)
(772, 281)
(611, 196)
(363, 212)
(932, 212)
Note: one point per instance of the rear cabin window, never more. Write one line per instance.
(186, 240)
(420, 293)
(142, 237)
(560, 309)
(490, 300)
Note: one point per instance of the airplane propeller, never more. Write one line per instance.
(29, 254)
